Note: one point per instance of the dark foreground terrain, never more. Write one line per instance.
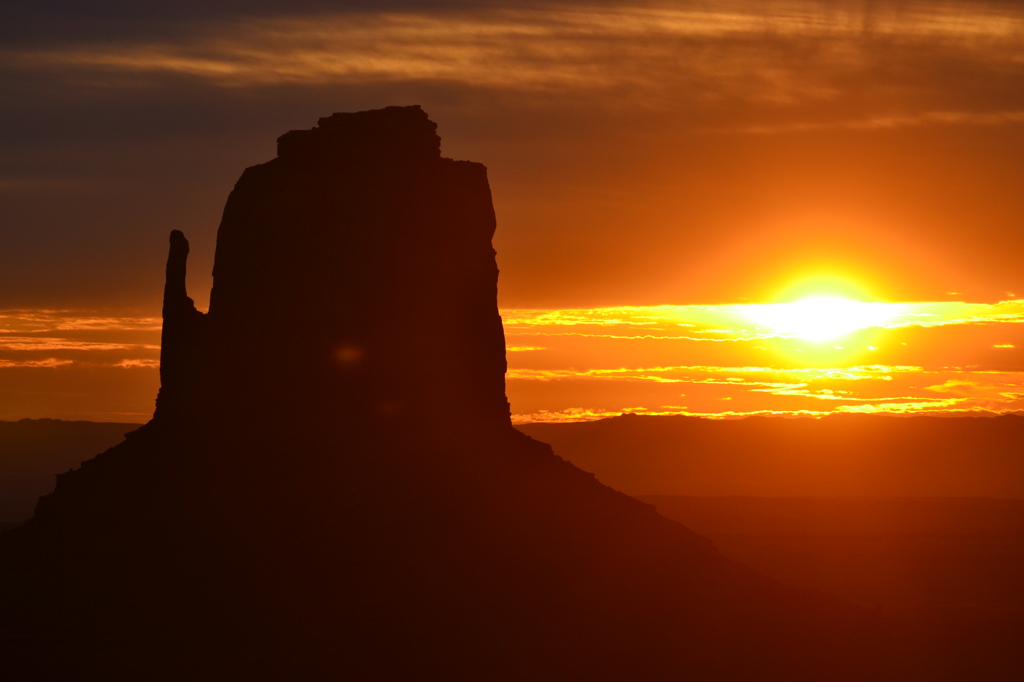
(34, 451)
(908, 557)
(947, 571)
(919, 520)
(943, 573)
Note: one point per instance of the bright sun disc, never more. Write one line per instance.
(821, 317)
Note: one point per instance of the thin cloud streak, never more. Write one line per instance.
(733, 322)
(71, 320)
(663, 337)
(34, 343)
(136, 363)
(580, 414)
(584, 48)
(735, 374)
(885, 122)
(48, 363)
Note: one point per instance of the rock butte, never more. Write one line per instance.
(330, 487)
(354, 274)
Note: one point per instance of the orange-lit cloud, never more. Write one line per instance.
(48, 362)
(720, 375)
(49, 343)
(957, 368)
(72, 364)
(738, 321)
(65, 330)
(71, 320)
(132, 363)
(627, 363)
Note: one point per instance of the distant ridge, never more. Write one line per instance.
(331, 487)
(835, 456)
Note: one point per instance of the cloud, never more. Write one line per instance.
(887, 122)
(993, 394)
(666, 337)
(48, 363)
(136, 363)
(741, 50)
(899, 390)
(70, 336)
(946, 408)
(949, 407)
(622, 316)
(25, 320)
(45, 343)
(654, 374)
(729, 376)
(571, 414)
(731, 322)
(844, 396)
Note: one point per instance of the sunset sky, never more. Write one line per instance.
(668, 177)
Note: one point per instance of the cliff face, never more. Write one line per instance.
(354, 275)
(330, 488)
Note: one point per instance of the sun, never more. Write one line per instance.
(820, 318)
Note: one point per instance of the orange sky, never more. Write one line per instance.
(663, 154)
(572, 364)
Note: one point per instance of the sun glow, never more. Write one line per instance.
(821, 318)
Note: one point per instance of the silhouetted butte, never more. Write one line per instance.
(331, 487)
